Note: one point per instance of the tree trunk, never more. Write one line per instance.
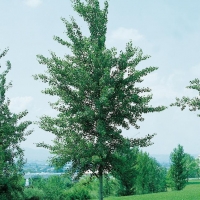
(100, 183)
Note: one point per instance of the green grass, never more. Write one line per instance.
(190, 192)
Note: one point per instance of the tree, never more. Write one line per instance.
(191, 166)
(151, 176)
(198, 168)
(96, 95)
(12, 132)
(178, 170)
(125, 170)
(192, 103)
(138, 173)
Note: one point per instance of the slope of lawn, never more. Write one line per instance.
(190, 192)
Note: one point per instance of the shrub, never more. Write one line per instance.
(34, 194)
(77, 192)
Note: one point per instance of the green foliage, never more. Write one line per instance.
(125, 171)
(194, 103)
(138, 173)
(77, 192)
(12, 133)
(151, 176)
(110, 188)
(34, 194)
(59, 187)
(178, 169)
(192, 166)
(197, 167)
(97, 94)
(52, 187)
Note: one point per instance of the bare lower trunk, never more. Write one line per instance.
(100, 183)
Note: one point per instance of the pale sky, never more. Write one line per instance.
(167, 30)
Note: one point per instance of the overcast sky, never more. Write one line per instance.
(169, 31)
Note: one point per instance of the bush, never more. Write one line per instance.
(34, 194)
(77, 192)
(52, 187)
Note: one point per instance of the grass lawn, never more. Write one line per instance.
(190, 192)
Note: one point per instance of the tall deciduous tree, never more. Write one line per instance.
(97, 94)
(178, 168)
(12, 132)
(192, 103)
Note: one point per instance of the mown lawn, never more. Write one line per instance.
(190, 192)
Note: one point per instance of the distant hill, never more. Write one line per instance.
(161, 158)
(39, 154)
(164, 158)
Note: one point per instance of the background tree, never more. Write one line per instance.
(125, 170)
(178, 169)
(191, 166)
(198, 168)
(96, 95)
(12, 132)
(51, 188)
(151, 176)
(192, 103)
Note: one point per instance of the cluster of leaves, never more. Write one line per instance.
(12, 133)
(192, 103)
